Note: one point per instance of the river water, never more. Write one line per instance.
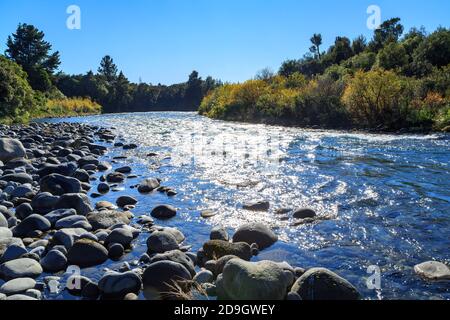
(386, 197)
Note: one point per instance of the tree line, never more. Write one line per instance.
(395, 81)
(31, 86)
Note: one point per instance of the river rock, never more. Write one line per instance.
(5, 243)
(115, 284)
(215, 249)
(204, 276)
(161, 241)
(433, 270)
(255, 233)
(125, 169)
(17, 177)
(103, 166)
(148, 185)
(257, 206)
(23, 191)
(323, 284)
(87, 253)
(115, 177)
(179, 236)
(124, 201)
(103, 188)
(107, 218)
(242, 280)
(31, 223)
(73, 221)
(58, 185)
(11, 149)
(304, 213)
(54, 261)
(219, 233)
(56, 215)
(175, 256)
(162, 275)
(78, 201)
(115, 251)
(24, 210)
(164, 212)
(13, 252)
(44, 202)
(3, 221)
(5, 233)
(122, 236)
(65, 169)
(20, 268)
(17, 286)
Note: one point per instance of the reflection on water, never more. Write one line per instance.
(388, 195)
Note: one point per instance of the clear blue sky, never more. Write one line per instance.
(164, 40)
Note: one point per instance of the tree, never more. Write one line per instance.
(264, 74)
(389, 31)
(375, 98)
(392, 56)
(316, 40)
(340, 51)
(17, 98)
(108, 69)
(289, 67)
(435, 49)
(359, 44)
(28, 48)
(194, 90)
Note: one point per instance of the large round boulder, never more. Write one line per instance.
(54, 261)
(122, 236)
(255, 233)
(17, 286)
(11, 149)
(87, 253)
(161, 241)
(175, 256)
(115, 284)
(31, 223)
(215, 249)
(323, 284)
(58, 185)
(433, 270)
(107, 218)
(164, 212)
(243, 280)
(163, 275)
(20, 268)
(148, 185)
(78, 201)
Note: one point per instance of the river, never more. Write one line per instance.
(387, 197)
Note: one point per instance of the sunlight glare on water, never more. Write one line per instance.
(386, 197)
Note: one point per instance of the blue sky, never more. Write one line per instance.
(162, 41)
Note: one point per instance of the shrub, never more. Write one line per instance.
(17, 99)
(376, 98)
(68, 107)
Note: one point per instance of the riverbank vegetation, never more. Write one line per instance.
(390, 83)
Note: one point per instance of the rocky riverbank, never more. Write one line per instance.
(50, 229)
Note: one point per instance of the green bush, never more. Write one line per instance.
(17, 99)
